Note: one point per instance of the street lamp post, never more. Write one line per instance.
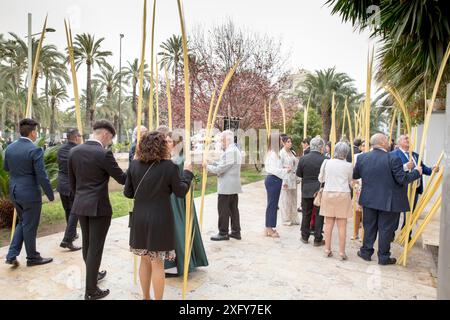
(120, 89)
(30, 55)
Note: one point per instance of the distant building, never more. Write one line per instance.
(294, 83)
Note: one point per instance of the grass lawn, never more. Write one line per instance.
(53, 220)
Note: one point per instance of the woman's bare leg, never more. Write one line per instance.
(329, 224)
(342, 230)
(145, 276)
(158, 278)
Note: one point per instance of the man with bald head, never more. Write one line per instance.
(383, 196)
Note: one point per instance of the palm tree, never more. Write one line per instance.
(52, 67)
(57, 93)
(172, 55)
(87, 50)
(131, 74)
(321, 86)
(413, 35)
(13, 103)
(109, 80)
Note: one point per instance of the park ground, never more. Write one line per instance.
(256, 267)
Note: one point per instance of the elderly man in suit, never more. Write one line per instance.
(308, 169)
(25, 163)
(73, 139)
(383, 196)
(90, 166)
(409, 164)
(228, 171)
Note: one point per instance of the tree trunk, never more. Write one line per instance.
(52, 120)
(146, 110)
(46, 92)
(326, 122)
(134, 99)
(89, 113)
(175, 66)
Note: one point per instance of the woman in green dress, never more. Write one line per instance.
(198, 254)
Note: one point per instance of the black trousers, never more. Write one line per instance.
(71, 219)
(94, 231)
(382, 223)
(28, 216)
(307, 207)
(227, 206)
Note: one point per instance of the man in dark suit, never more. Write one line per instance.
(90, 166)
(25, 163)
(383, 196)
(73, 139)
(305, 145)
(408, 164)
(308, 169)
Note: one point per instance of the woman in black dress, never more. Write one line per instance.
(151, 179)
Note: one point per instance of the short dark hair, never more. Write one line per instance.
(307, 140)
(104, 124)
(357, 142)
(72, 134)
(26, 126)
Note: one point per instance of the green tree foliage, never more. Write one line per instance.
(294, 128)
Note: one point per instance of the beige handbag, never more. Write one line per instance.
(318, 197)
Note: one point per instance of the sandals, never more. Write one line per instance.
(271, 233)
(343, 256)
(328, 253)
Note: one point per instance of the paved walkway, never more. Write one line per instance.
(254, 268)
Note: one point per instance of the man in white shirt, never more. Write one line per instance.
(228, 171)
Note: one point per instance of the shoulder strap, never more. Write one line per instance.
(142, 179)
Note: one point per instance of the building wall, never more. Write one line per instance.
(435, 138)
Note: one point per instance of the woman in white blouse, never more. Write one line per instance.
(273, 182)
(288, 197)
(336, 205)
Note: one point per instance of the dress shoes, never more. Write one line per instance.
(13, 262)
(171, 275)
(388, 262)
(38, 262)
(69, 245)
(220, 237)
(305, 241)
(236, 236)
(319, 243)
(98, 294)
(364, 258)
(101, 275)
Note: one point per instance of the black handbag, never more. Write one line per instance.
(130, 218)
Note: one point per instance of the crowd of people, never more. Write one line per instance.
(158, 180)
(328, 181)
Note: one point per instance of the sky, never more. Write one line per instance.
(310, 34)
